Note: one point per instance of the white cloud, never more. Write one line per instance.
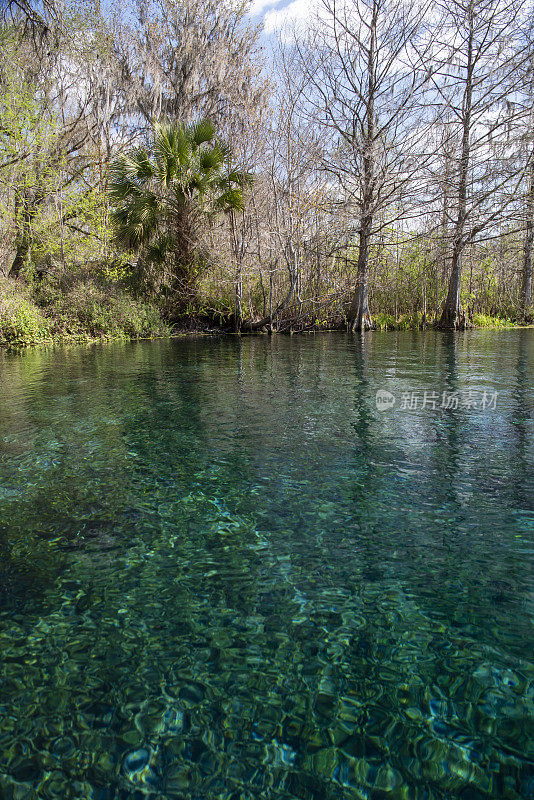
(296, 15)
(257, 7)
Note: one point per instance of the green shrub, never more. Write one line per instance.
(79, 308)
(21, 322)
(384, 322)
(90, 308)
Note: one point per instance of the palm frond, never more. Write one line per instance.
(120, 188)
(183, 147)
(241, 179)
(202, 132)
(128, 229)
(156, 252)
(211, 160)
(136, 165)
(232, 199)
(224, 149)
(136, 219)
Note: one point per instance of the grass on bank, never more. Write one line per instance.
(387, 322)
(485, 321)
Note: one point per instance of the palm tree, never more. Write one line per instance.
(162, 193)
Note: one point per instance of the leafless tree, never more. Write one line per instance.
(363, 90)
(477, 52)
(526, 137)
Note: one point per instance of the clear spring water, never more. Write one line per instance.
(224, 574)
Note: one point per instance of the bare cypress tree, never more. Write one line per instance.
(526, 281)
(363, 92)
(478, 55)
(528, 138)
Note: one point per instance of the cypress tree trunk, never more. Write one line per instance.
(452, 312)
(20, 259)
(236, 244)
(451, 315)
(359, 314)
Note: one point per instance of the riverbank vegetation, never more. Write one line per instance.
(166, 166)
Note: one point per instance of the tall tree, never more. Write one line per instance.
(185, 59)
(528, 246)
(53, 112)
(364, 90)
(478, 52)
(527, 135)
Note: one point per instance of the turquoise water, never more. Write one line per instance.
(224, 573)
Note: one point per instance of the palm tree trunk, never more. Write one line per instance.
(185, 273)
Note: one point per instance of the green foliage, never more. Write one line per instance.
(79, 308)
(384, 321)
(28, 128)
(27, 135)
(52, 203)
(21, 322)
(86, 234)
(387, 322)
